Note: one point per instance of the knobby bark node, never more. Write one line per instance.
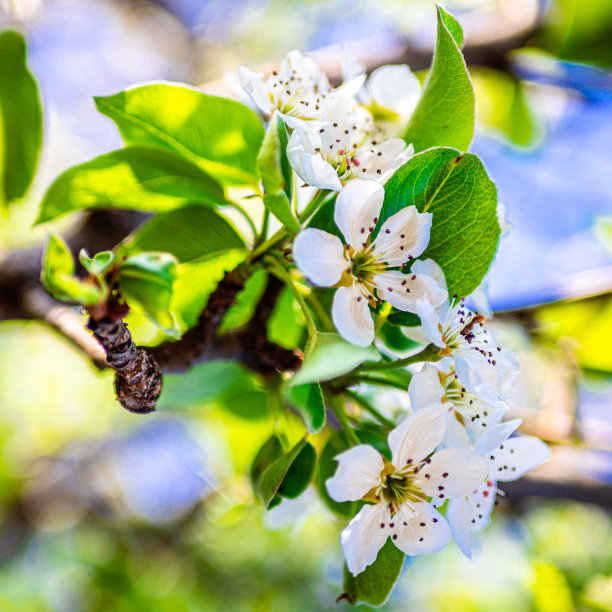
(138, 381)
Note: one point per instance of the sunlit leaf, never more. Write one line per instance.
(308, 401)
(138, 178)
(220, 135)
(299, 474)
(444, 115)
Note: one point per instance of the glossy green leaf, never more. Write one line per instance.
(220, 135)
(308, 401)
(457, 190)
(276, 185)
(57, 275)
(146, 279)
(329, 357)
(373, 586)
(98, 264)
(272, 477)
(444, 115)
(139, 178)
(300, 473)
(20, 119)
(191, 232)
(336, 443)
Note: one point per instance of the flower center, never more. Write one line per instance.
(364, 265)
(396, 488)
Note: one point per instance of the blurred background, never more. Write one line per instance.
(103, 510)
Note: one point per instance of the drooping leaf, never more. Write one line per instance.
(20, 119)
(220, 135)
(246, 301)
(275, 179)
(299, 474)
(138, 178)
(57, 275)
(191, 232)
(373, 586)
(308, 401)
(146, 279)
(444, 115)
(458, 192)
(286, 326)
(271, 450)
(329, 356)
(272, 477)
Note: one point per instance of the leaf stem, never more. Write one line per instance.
(369, 408)
(279, 271)
(246, 216)
(338, 409)
(373, 380)
(264, 227)
(317, 199)
(430, 353)
(277, 238)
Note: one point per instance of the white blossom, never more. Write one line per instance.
(508, 459)
(298, 90)
(364, 266)
(483, 367)
(470, 416)
(399, 489)
(347, 146)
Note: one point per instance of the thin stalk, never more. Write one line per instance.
(246, 216)
(264, 227)
(369, 408)
(275, 268)
(317, 199)
(430, 353)
(373, 380)
(338, 409)
(274, 240)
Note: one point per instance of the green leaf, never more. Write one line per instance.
(220, 135)
(20, 119)
(300, 473)
(452, 25)
(330, 357)
(463, 199)
(246, 301)
(274, 474)
(286, 326)
(373, 586)
(146, 279)
(444, 115)
(271, 450)
(324, 219)
(191, 232)
(276, 184)
(98, 264)
(139, 178)
(308, 401)
(58, 279)
(336, 443)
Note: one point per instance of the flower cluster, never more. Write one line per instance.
(439, 478)
(336, 134)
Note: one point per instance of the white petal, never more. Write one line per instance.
(416, 333)
(395, 87)
(358, 471)
(363, 537)
(358, 208)
(495, 436)
(481, 503)
(459, 516)
(320, 256)
(425, 388)
(295, 123)
(309, 164)
(403, 235)
(418, 435)
(430, 322)
(253, 84)
(456, 434)
(351, 316)
(419, 529)
(430, 268)
(515, 457)
(452, 472)
(404, 290)
(351, 66)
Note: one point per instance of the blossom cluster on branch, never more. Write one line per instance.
(369, 228)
